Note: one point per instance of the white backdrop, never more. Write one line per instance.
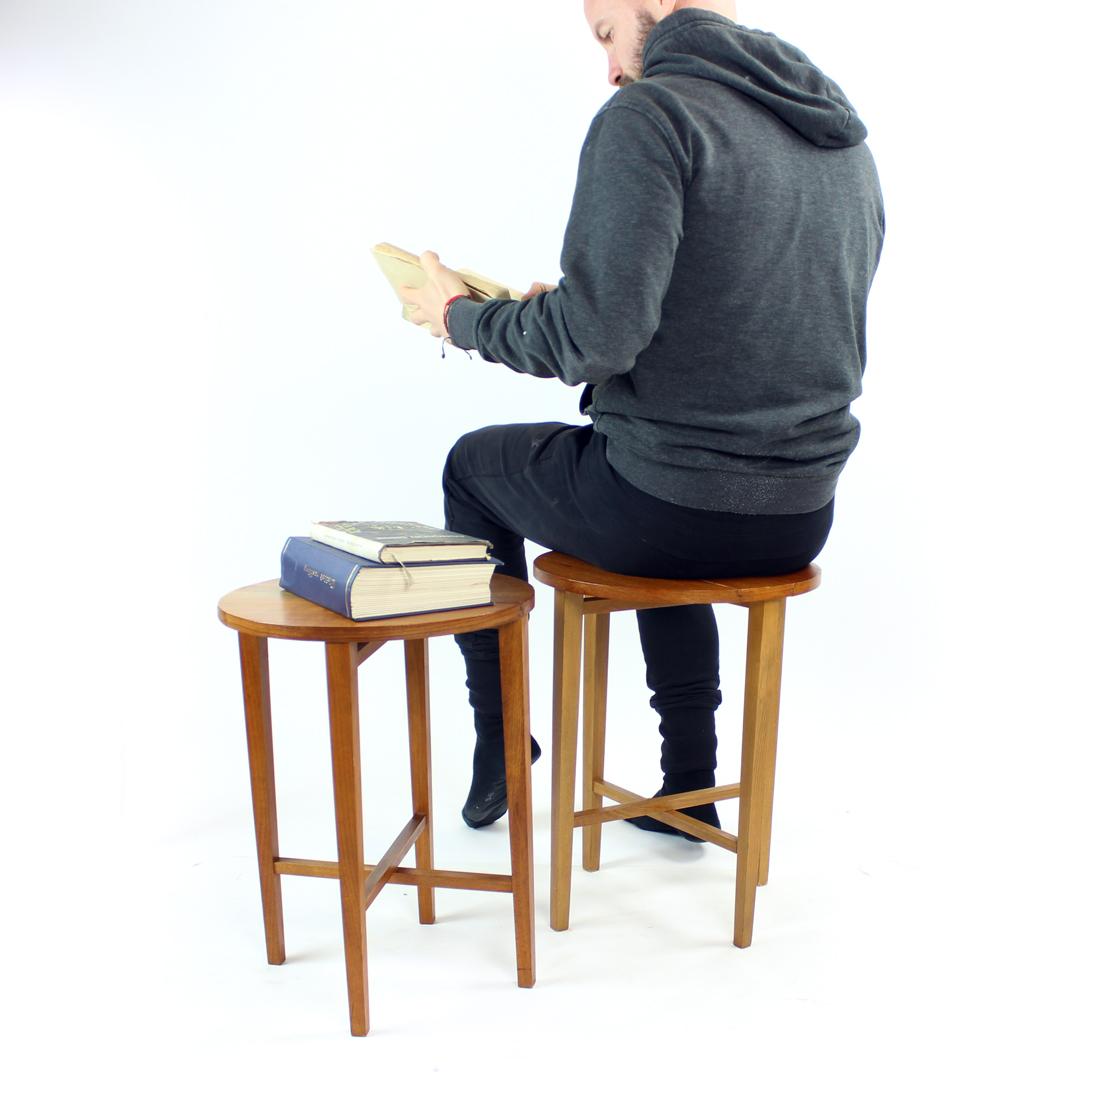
(199, 358)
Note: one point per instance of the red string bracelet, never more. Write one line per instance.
(447, 311)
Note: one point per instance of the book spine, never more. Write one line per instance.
(308, 570)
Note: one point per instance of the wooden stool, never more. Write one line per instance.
(264, 611)
(583, 593)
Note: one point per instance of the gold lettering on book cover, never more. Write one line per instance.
(324, 578)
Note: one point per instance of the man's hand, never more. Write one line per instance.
(427, 303)
(538, 288)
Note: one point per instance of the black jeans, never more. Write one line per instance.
(551, 483)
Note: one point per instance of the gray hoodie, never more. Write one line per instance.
(725, 229)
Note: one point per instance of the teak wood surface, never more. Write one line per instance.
(584, 598)
(566, 574)
(264, 610)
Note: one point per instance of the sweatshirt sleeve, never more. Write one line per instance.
(620, 244)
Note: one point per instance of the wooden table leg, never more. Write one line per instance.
(261, 767)
(342, 664)
(420, 762)
(596, 636)
(762, 668)
(563, 778)
(517, 764)
(771, 746)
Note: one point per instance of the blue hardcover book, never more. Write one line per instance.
(360, 589)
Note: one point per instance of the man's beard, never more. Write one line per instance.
(646, 23)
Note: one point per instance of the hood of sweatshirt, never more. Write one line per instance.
(777, 75)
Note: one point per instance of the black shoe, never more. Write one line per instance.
(488, 798)
(677, 784)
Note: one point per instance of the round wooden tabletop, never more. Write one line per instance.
(266, 610)
(579, 577)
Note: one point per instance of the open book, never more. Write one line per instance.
(402, 268)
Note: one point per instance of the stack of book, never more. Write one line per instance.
(377, 570)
